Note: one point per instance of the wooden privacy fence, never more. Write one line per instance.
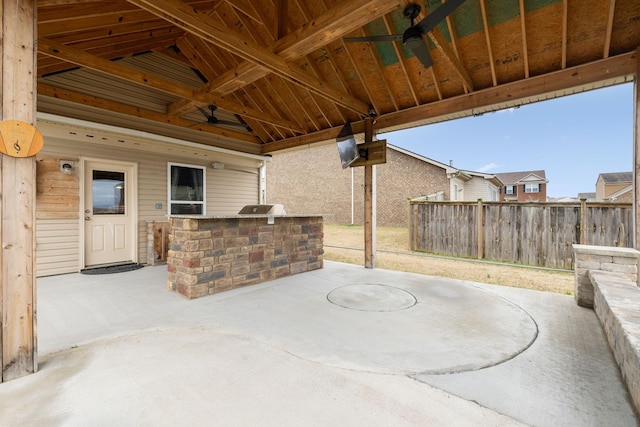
(536, 233)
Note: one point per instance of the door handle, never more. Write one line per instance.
(87, 218)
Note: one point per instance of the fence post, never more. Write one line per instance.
(480, 225)
(583, 221)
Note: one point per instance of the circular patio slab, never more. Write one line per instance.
(372, 297)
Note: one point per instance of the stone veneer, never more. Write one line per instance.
(604, 258)
(616, 301)
(606, 278)
(213, 254)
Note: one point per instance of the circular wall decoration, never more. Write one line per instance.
(19, 139)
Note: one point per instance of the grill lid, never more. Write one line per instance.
(262, 210)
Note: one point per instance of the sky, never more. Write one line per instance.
(573, 139)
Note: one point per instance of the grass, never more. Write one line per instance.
(345, 243)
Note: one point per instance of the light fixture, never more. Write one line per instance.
(66, 166)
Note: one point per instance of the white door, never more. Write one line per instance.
(109, 213)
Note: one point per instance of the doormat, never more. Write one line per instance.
(112, 269)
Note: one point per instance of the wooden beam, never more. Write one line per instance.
(369, 203)
(565, 34)
(597, 71)
(636, 156)
(525, 46)
(116, 107)
(78, 57)
(186, 18)
(607, 36)
(485, 22)
(335, 23)
(18, 338)
(280, 29)
(449, 53)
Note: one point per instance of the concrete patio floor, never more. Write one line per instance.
(343, 345)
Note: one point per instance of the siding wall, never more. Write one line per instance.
(477, 188)
(57, 225)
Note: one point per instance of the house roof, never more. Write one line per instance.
(492, 178)
(620, 192)
(514, 178)
(448, 168)
(588, 196)
(283, 77)
(616, 177)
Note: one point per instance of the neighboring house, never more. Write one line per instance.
(472, 186)
(589, 197)
(614, 187)
(339, 195)
(526, 186)
(96, 189)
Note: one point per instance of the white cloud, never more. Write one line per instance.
(507, 110)
(488, 167)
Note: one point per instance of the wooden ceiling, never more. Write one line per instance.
(281, 70)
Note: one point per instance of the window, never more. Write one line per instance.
(532, 188)
(107, 192)
(186, 189)
(509, 189)
(456, 190)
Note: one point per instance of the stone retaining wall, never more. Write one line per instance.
(604, 258)
(210, 255)
(616, 302)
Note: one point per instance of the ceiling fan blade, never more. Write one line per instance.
(204, 112)
(438, 15)
(380, 38)
(230, 123)
(420, 49)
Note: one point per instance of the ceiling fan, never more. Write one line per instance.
(213, 120)
(412, 37)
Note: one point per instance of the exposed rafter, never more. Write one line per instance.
(525, 47)
(441, 43)
(192, 22)
(613, 67)
(329, 26)
(78, 57)
(92, 101)
(283, 67)
(485, 22)
(565, 17)
(607, 38)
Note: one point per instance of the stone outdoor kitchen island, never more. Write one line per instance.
(213, 254)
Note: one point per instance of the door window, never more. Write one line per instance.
(108, 192)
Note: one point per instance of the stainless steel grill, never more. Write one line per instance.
(262, 210)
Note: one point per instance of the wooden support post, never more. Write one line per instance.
(636, 155)
(480, 216)
(636, 158)
(369, 204)
(17, 183)
(583, 221)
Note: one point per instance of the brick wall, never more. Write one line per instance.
(312, 181)
(521, 196)
(210, 255)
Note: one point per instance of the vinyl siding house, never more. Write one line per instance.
(338, 193)
(614, 187)
(472, 186)
(526, 186)
(92, 178)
